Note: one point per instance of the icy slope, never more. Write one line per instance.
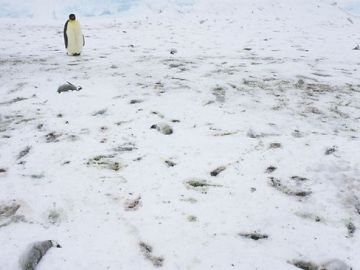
(261, 170)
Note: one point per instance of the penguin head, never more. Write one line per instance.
(72, 17)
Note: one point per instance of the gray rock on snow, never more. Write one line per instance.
(35, 253)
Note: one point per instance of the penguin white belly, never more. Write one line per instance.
(75, 38)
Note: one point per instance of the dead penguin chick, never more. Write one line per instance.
(68, 87)
(163, 128)
(35, 253)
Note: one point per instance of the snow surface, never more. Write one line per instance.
(267, 90)
(53, 9)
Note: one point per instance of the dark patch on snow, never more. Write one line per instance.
(197, 183)
(275, 145)
(170, 163)
(147, 251)
(24, 152)
(52, 137)
(209, 102)
(163, 128)
(136, 101)
(37, 176)
(104, 162)
(176, 65)
(300, 83)
(276, 183)
(217, 171)
(100, 112)
(334, 264)
(8, 214)
(351, 229)
(158, 114)
(313, 110)
(299, 178)
(13, 101)
(226, 133)
(192, 218)
(297, 134)
(252, 134)
(270, 169)
(219, 93)
(254, 236)
(357, 205)
(310, 216)
(8, 210)
(321, 75)
(331, 150)
(54, 216)
(103, 128)
(133, 205)
(127, 147)
(305, 265)
(12, 219)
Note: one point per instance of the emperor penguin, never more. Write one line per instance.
(73, 36)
